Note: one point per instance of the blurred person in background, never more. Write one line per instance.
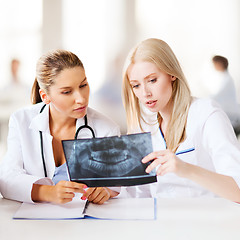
(226, 92)
(15, 93)
(14, 69)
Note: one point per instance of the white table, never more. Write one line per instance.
(188, 219)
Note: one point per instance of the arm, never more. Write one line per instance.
(222, 185)
(20, 178)
(15, 182)
(218, 139)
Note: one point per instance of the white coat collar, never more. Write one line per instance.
(41, 121)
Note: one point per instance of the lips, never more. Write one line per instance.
(80, 108)
(151, 103)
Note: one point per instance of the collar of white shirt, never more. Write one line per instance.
(41, 121)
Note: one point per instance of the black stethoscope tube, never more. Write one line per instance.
(75, 137)
(84, 126)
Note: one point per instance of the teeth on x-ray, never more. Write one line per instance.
(107, 158)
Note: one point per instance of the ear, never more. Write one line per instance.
(173, 78)
(44, 96)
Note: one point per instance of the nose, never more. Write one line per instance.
(146, 91)
(79, 98)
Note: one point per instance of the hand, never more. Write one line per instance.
(168, 162)
(97, 195)
(63, 191)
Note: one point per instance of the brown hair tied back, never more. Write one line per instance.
(49, 66)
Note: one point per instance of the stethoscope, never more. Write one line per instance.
(75, 137)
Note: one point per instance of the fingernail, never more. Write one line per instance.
(83, 198)
(85, 186)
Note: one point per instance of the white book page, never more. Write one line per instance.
(70, 210)
(124, 208)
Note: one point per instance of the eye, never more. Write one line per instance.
(66, 92)
(153, 80)
(84, 85)
(136, 86)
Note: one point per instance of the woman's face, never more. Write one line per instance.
(70, 93)
(151, 86)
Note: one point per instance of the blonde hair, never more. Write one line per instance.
(158, 52)
(49, 66)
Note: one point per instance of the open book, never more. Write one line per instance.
(118, 208)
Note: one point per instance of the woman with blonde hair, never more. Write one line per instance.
(34, 167)
(196, 152)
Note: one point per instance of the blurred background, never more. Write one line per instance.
(101, 32)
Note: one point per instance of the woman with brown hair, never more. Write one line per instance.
(34, 168)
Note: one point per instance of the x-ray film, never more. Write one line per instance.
(109, 161)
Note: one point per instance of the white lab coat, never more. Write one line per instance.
(22, 165)
(210, 134)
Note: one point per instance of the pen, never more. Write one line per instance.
(85, 208)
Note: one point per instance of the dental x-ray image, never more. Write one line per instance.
(109, 161)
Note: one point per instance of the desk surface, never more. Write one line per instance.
(201, 218)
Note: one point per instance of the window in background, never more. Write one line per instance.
(196, 31)
(20, 37)
(96, 31)
(84, 34)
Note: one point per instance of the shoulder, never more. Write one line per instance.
(201, 111)
(27, 113)
(100, 120)
(202, 108)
